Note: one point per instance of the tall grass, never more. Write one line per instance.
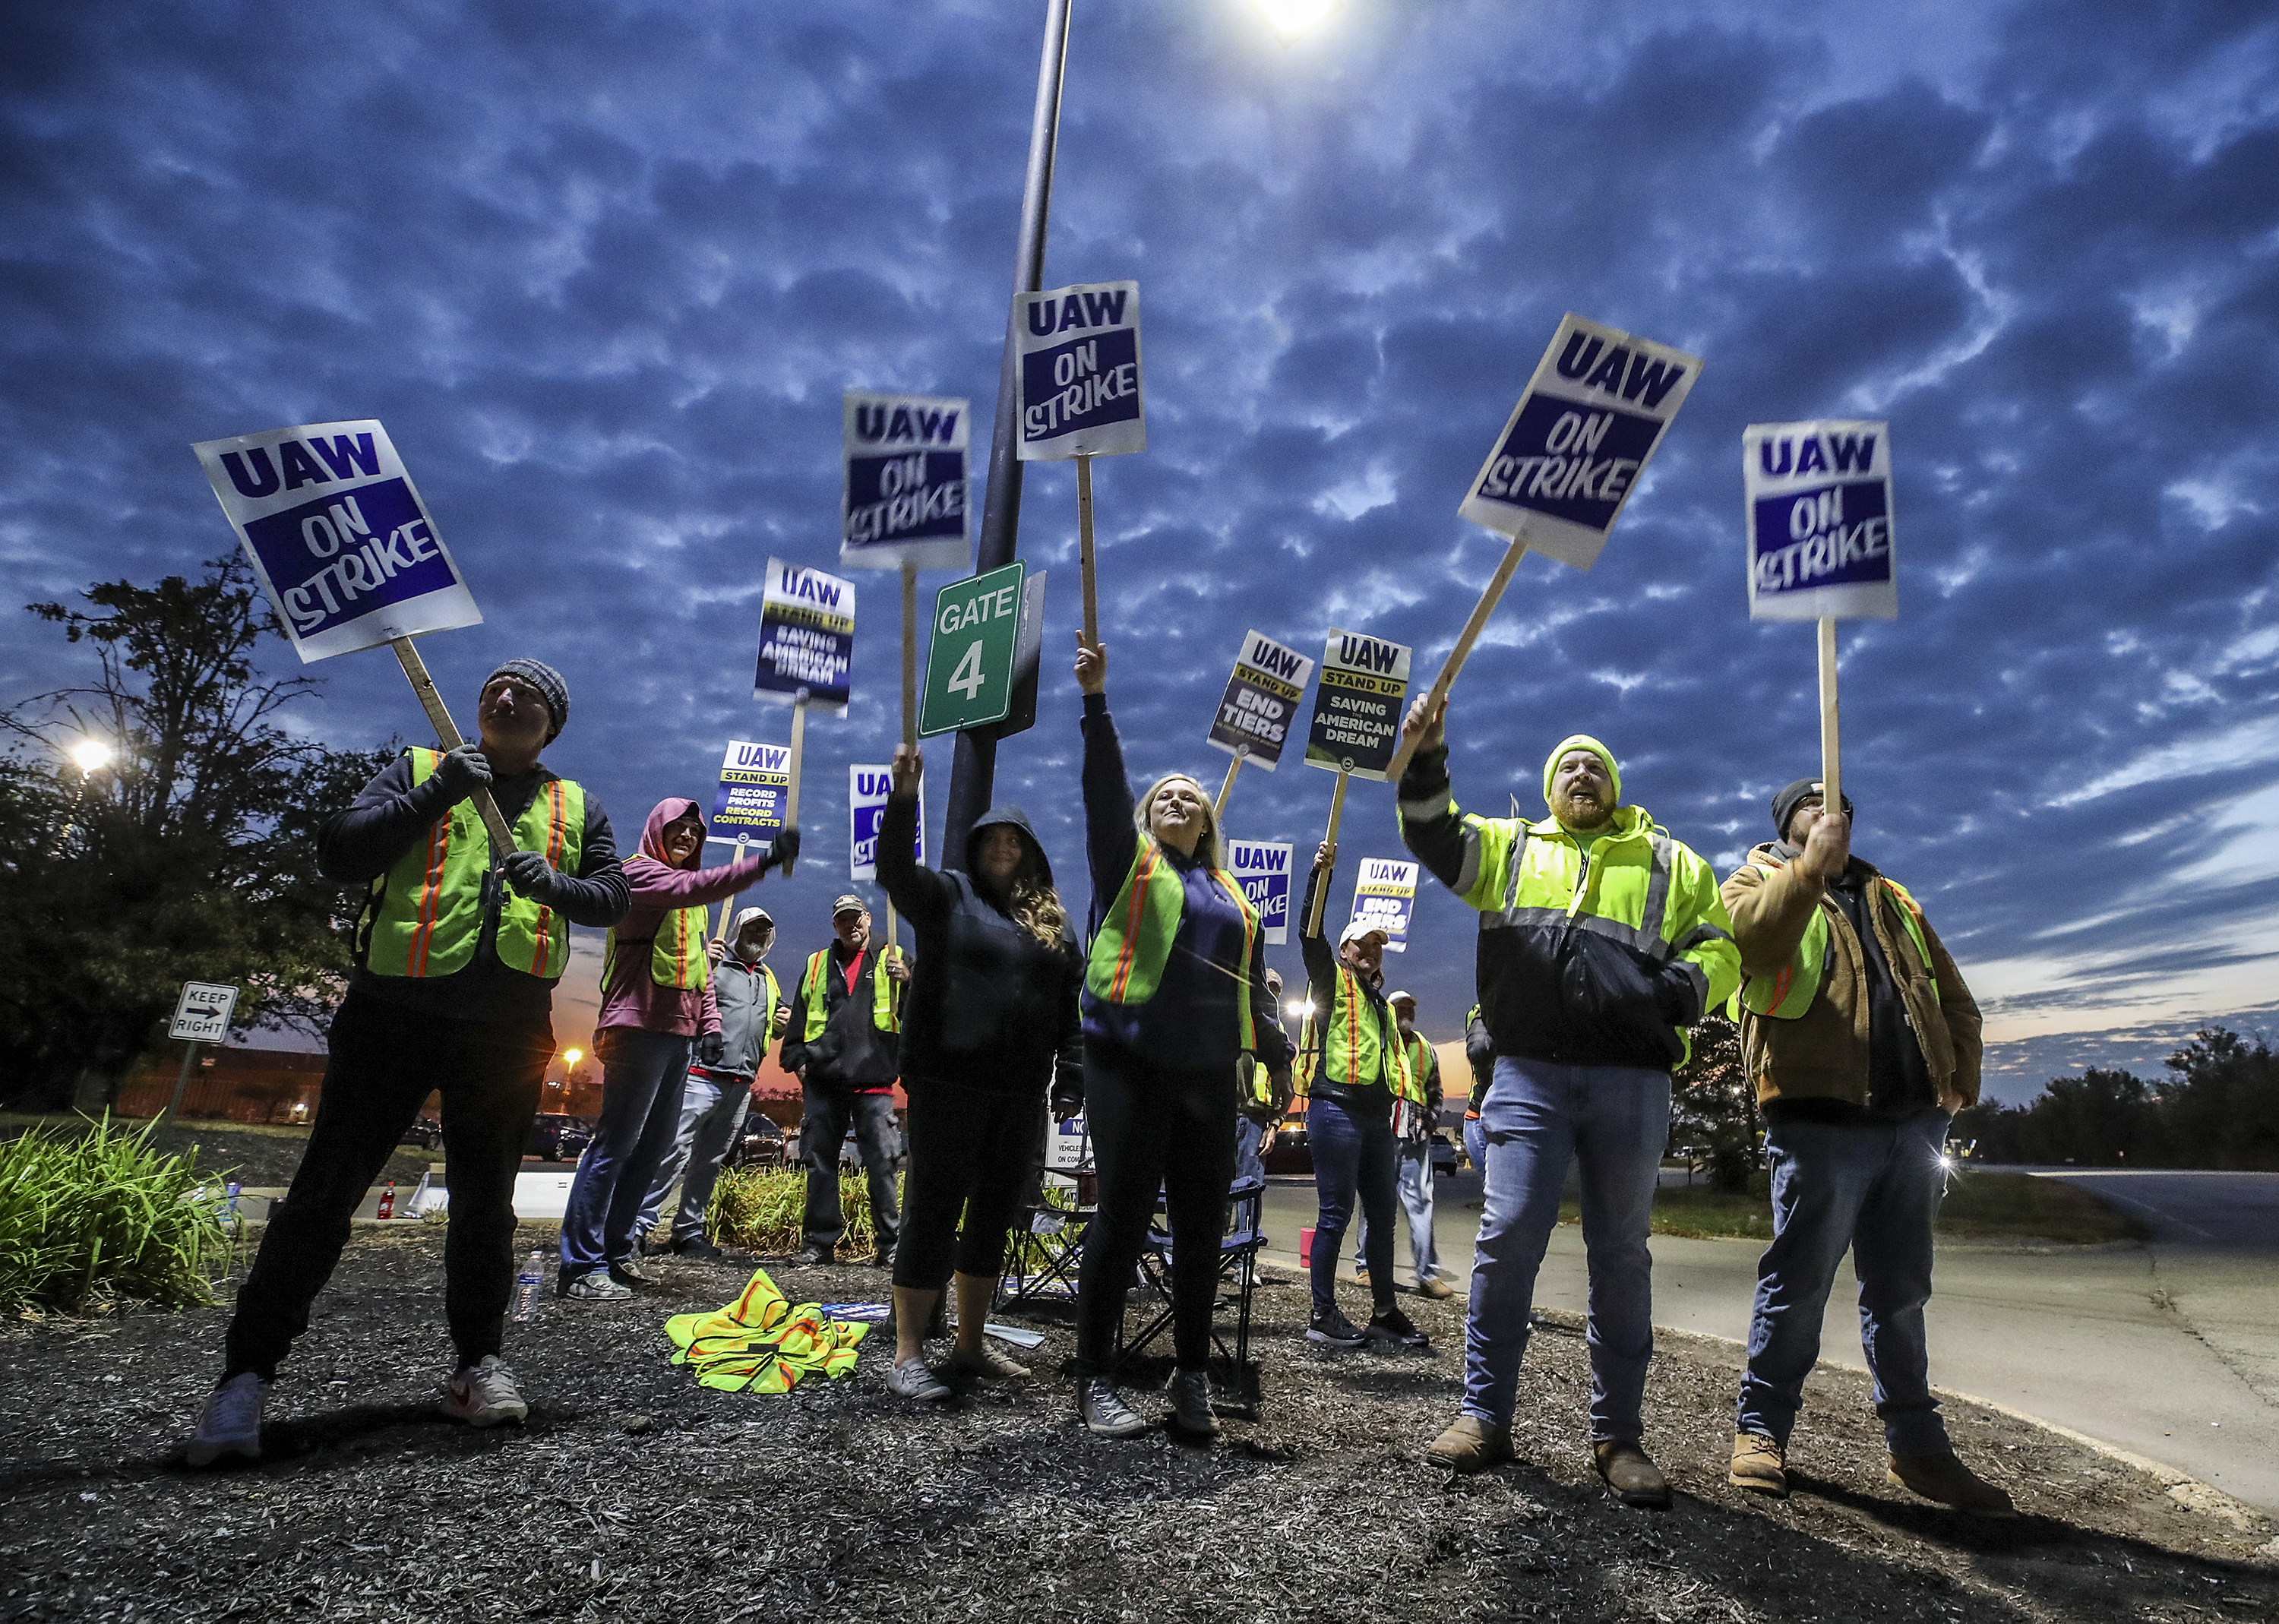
(759, 1209)
(99, 1218)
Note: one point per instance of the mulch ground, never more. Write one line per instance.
(634, 1494)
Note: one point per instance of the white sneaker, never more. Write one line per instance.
(913, 1378)
(230, 1423)
(483, 1395)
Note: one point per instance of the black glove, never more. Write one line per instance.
(710, 1048)
(785, 850)
(462, 772)
(530, 874)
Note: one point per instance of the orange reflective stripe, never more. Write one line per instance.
(431, 892)
(1130, 951)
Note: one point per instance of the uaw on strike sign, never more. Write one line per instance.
(1261, 867)
(902, 489)
(338, 536)
(1080, 392)
(1819, 520)
(1573, 449)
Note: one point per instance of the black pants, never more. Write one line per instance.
(1154, 1128)
(971, 1151)
(829, 1113)
(382, 1065)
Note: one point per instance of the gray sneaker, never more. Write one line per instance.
(1103, 1410)
(230, 1423)
(483, 1395)
(913, 1378)
(1191, 1404)
(595, 1285)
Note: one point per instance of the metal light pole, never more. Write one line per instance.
(973, 768)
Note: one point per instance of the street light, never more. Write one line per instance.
(91, 754)
(1289, 18)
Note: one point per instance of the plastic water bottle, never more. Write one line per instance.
(526, 1285)
(229, 1201)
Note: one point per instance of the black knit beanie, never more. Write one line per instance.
(1785, 803)
(548, 681)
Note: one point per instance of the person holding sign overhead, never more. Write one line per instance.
(1601, 940)
(453, 988)
(1174, 996)
(1352, 1069)
(658, 1010)
(990, 1025)
(1861, 1040)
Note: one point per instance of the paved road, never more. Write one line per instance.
(2168, 1349)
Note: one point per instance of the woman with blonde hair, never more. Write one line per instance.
(991, 1022)
(1174, 996)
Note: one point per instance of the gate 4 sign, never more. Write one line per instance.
(754, 778)
(970, 657)
(201, 1013)
(1357, 705)
(338, 536)
(1080, 371)
(1574, 445)
(1262, 871)
(903, 493)
(1261, 699)
(1819, 520)
(1385, 897)
(807, 636)
(867, 789)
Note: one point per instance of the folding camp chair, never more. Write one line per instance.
(1041, 1263)
(1238, 1265)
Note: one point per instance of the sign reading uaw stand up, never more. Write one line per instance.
(1260, 701)
(338, 536)
(1819, 520)
(807, 636)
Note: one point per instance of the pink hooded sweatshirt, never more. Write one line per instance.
(631, 997)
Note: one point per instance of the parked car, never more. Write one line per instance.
(761, 1145)
(1444, 1154)
(556, 1137)
(425, 1131)
(1290, 1154)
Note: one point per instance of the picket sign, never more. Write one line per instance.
(1252, 721)
(1821, 547)
(1356, 723)
(1567, 461)
(354, 563)
(1261, 867)
(757, 795)
(1081, 394)
(1385, 899)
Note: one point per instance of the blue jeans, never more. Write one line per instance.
(1475, 1146)
(642, 1075)
(1413, 1177)
(1353, 1155)
(1248, 1162)
(1872, 1187)
(711, 1114)
(1538, 1118)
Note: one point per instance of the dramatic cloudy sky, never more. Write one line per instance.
(604, 270)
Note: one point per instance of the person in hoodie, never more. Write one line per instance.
(844, 1045)
(457, 952)
(753, 1013)
(657, 1007)
(1174, 996)
(1601, 940)
(991, 1026)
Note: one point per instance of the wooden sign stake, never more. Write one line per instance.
(1218, 809)
(798, 749)
(1084, 547)
(1831, 765)
(447, 734)
(910, 655)
(1321, 891)
(1462, 651)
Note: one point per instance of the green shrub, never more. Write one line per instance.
(759, 1209)
(93, 1219)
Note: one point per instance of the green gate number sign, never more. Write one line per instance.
(969, 680)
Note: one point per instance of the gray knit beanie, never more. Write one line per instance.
(548, 681)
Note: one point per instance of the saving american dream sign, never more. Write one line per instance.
(338, 536)
(1260, 701)
(1819, 520)
(1357, 705)
(807, 636)
(904, 492)
(1080, 394)
(1263, 869)
(1573, 448)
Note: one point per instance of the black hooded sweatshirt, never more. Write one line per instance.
(990, 1006)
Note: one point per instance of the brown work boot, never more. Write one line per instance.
(1759, 1464)
(1470, 1446)
(1436, 1288)
(1630, 1473)
(1941, 1476)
